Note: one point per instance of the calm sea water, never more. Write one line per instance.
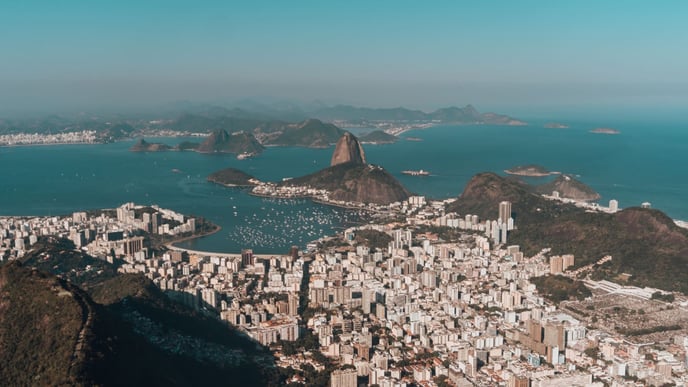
(646, 162)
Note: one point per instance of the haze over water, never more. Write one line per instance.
(643, 163)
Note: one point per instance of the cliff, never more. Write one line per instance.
(643, 242)
(569, 188)
(348, 150)
(363, 183)
(221, 141)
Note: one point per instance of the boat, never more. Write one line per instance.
(419, 172)
(245, 155)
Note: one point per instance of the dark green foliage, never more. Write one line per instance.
(663, 297)
(204, 124)
(310, 133)
(231, 176)
(223, 142)
(647, 331)
(643, 242)
(558, 288)
(137, 336)
(372, 238)
(145, 146)
(187, 145)
(40, 321)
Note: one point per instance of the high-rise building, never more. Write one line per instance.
(247, 258)
(343, 378)
(568, 261)
(504, 211)
(556, 265)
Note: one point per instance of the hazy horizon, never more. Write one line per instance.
(543, 56)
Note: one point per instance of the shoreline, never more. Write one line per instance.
(314, 200)
(192, 237)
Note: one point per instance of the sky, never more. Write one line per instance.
(506, 54)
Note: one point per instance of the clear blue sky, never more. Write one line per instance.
(381, 53)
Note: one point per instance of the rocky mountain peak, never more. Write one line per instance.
(348, 150)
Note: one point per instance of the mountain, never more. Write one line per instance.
(115, 132)
(311, 133)
(348, 150)
(378, 137)
(643, 242)
(92, 326)
(351, 182)
(221, 141)
(144, 146)
(455, 115)
(569, 188)
(232, 177)
(351, 113)
(215, 121)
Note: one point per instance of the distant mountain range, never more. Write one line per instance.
(465, 115)
(283, 125)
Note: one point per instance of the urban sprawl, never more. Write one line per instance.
(419, 310)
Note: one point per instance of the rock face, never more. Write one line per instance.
(569, 188)
(348, 150)
(221, 141)
(350, 182)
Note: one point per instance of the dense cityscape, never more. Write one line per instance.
(397, 303)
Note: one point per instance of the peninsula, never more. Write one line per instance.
(569, 188)
(232, 177)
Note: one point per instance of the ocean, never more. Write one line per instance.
(645, 162)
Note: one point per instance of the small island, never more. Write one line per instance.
(145, 146)
(232, 177)
(556, 125)
(531, 170)
(605, 131)
(378, 137)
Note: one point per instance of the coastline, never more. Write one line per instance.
(197, 236)
(314, 200)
